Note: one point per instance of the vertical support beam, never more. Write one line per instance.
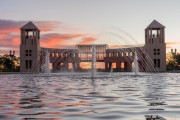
(22, 34)
(66, 66)
(146, 36)
(59, 66)
(73, 66)
(163, 32)
(54, 67)
(78, 66)
(27, 33)
(118, 66)
(106, 66)
(151, 36)
(110, 65)
(129, 67)
(125, 66)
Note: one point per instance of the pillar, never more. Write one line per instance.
(106, 65)
(125, 66)
(66, 67)
(129, 67)
(54, 67)
(110, 65)
(118, 66)
(74, 66)
(77, 66)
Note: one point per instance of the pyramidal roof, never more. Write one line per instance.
(29, 25)
(155, 24)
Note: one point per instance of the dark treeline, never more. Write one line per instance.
(9, 63)
(173, 61)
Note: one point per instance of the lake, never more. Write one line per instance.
(74, 96)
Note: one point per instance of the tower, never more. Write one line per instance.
(30, 48)
(155, 47)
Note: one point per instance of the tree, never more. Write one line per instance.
(9, 63)
(1, 63)
(178, 59)
(171, 60)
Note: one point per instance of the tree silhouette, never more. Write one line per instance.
(9, 63)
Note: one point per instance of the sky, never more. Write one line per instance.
(65, 23)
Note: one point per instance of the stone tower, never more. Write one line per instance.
(30, 48)
(155, 47)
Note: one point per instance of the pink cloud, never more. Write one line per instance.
(7, 26)
(47, 25)
(87, 40)
(10, 35)
(172, 44)
(54, 40)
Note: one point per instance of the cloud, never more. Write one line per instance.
(47, 25)
(10, 33)
(172, 44)
(87, 40)
(10, 36)
(115, 46)
(9, 42)
(56, 40)
(7, 26)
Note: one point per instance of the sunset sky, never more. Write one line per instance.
(64, 23)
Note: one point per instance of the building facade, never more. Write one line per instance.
(30, 48)
(155, 47)
(151, 56)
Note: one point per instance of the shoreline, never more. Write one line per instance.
(2, 73)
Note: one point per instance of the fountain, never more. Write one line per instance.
(111, 72)
(93, 64)
(72, 70)
(136, 67)
(45, 67)
(111, 69)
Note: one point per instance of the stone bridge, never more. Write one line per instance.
(62, 59)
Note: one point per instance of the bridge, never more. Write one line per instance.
(121, 59)
(85, 52)
(62, 58)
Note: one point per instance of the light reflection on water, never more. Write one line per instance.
(76, 97)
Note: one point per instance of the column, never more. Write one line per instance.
(129, 67)
(106, 65)
(77, 66)
(66, 67)
(163, 35)
(151, 36)
(73, 66)
(54, 67)
(110, 65)
(118, 66)
(125, 66)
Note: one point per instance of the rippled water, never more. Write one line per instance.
(76, 97)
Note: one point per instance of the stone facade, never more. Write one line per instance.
(152, 56)
(30, 48)
(155, 47)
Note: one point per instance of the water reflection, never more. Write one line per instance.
(69, 97)
(154, 117)
(31, 94)
(155, 95)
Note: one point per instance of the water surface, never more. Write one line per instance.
(121, 96)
